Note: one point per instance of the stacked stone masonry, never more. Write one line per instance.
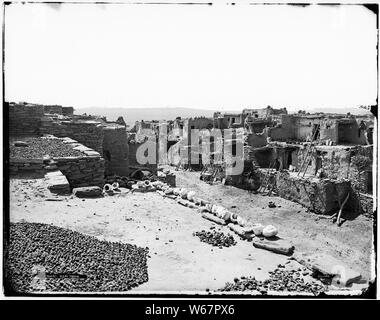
(86, 170)
(89, 133)
(24, 120)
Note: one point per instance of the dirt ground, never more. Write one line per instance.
(179, 261)
(351, 243)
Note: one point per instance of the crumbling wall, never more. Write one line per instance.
(24, 120)
(285, 131)
(354, 163)
(335, 162)
(256, 139)
(264, 157)
(201, 123)
(115, 151)
(319, 195)
(360, 172)
(258, 126)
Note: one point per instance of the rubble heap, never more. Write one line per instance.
(279, 280)
(217, 239)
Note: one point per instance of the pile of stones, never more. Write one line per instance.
(71, 261)
(280, 281)
(215, 238)
(37, 148)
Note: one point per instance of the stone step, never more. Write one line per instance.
(57, 182)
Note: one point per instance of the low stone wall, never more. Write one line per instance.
(17, 166)
(82, 171)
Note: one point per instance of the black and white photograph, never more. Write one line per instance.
(208, 149)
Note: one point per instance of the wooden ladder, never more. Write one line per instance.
(306, 160)
(266, 179)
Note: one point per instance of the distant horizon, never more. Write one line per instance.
(226, 109)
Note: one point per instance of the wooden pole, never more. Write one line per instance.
(341, 208)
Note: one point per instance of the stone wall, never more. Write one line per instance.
(82, 171)
(24, 120)
(87, 170)
(303, 128)
(53, 109)
(115, 150)
(329, 131)
(349, 132)
(319, 195)
(29, 166)
(89, 133)
(67, 111)
(353, 163)
(257, 139)
(285, 131)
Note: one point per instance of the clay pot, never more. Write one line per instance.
(270, 231)
(226, 215)
(169, 191)
(234, 217)
(209, 207)
(241, 221)
(190, 195)
(257, 229)
(176, 191)
(214, 209)
(107, 187)
(183, 193)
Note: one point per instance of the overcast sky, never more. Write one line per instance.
(214, 57)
